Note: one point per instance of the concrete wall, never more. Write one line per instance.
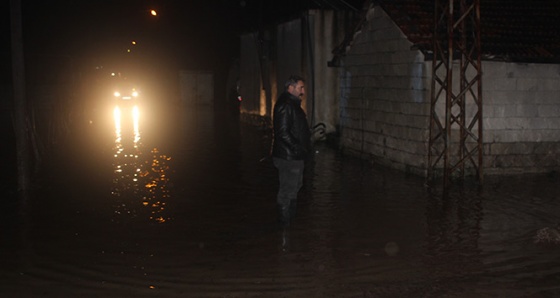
(385, 95)
(326, 29)
(297, 47)
(196, 87)
(304, 47)
(289, 56)
(250, 74)
(521, 117)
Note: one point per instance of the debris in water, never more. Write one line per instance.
(548, 235)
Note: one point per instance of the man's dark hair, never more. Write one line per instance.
(292, 81)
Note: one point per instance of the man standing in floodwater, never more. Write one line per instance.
(290, 146)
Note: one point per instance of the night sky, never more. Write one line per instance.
(187, 33)
(71, 38)
(191, 34)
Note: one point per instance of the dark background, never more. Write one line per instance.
(70, 45)
(185, 34)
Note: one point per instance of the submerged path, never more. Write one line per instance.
(187, 209)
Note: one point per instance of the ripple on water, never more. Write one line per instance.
(361, 230)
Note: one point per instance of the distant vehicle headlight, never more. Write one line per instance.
(117, 94)
(134, 93)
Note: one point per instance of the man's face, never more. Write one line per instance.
(297, 90)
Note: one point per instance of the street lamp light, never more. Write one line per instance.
(153, 12)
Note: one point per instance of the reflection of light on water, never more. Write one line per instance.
(136, 120)
(118, 129)
(118, 118)
(156, 186)
(139, 184)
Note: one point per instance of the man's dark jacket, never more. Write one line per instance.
(292, 137)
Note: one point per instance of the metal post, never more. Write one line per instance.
(455, 144)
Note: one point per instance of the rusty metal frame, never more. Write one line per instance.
(455, 144)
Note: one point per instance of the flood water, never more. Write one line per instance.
(183, 205)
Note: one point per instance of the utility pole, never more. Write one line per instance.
(20, 104)
(455, 145)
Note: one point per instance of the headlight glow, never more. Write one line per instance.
(135, 93)
(117, 94)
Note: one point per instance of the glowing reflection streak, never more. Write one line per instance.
(118, 127)
(156, 185)
(131, 171)
(136, 123)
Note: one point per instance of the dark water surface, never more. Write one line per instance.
(188, 210)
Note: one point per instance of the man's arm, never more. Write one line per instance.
(283, 122)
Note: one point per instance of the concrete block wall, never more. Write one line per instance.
(521, 117)
(384, 105)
